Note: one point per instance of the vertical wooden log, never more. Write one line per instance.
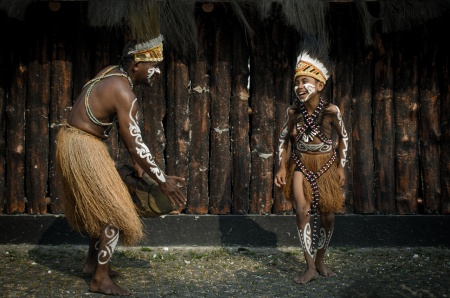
(284, 58)
(3, 98)
(82, 66)
(445, 133)
(5, 66)
(60, 106)
(406, 106)
(343, 81)
(383, 123)
(239, 122)
(429, 119)
(262, 98)
(362, 151)
(220, 176)
(37, 126)
(199, 110)
(178, 124)
(153, 109)
(15, 137)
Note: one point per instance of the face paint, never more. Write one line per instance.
(310, 88)
(141, 148)
(151, 72)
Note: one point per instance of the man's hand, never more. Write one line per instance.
(171, 188)
(280, 177)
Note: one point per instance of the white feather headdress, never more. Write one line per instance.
(309, 66)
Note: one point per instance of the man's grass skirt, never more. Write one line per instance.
(94, 193)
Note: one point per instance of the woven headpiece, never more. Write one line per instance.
(308, 66)
(149, 51)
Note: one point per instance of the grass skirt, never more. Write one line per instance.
(94, 195)
(331, 196)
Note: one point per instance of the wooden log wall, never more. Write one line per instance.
(201, 122)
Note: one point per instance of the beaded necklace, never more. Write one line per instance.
(93, 82)
(309, 129)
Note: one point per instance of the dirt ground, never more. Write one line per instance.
(55, 271)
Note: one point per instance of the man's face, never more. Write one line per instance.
(149, 69)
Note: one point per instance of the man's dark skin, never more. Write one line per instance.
(109, 98)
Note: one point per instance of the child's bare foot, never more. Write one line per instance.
(306, 277)
(108, 287)
(324, 270)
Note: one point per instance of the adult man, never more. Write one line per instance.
(315, 164)
(96, 201)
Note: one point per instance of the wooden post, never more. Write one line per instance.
(342, 82)
(362, 150)
(445, 132)
(406, 107)
(262, 119)
(239, 122)
(383, 123)
(284, 58)
(60, 106)
(37, 126)
(199, 111)
(15, 136)
(178, 123)
(3, 92)
(220, 175)
(430, 131)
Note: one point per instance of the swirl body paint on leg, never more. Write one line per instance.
(141, 148)
(112, 234)
(305, 239)
(324, 238)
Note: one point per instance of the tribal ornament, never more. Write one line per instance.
(324, 238)
(105, 255)
(344, 138)
(141, 148)
(308, 66)
(306, 240)
(309, 130)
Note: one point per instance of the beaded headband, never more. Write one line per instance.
(150, 51)
(308, 66)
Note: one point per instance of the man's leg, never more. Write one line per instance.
(304, 229)
(101, 282)
(90, 264)
(325, 233)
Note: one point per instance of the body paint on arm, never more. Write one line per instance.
(344, 138)
(142, 149)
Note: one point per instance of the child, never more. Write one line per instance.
(312, 167)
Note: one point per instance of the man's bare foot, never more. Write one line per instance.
(324, 270)
(90, 269)
(108, 287)
(306, 277)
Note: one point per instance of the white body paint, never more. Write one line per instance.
(310, 88)
(151, 72)
(344, 138)
(105, 255)
(142, 149)
(306, 239)
(282, 137)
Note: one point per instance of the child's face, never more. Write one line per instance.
(305, 87)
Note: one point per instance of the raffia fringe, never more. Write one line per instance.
(331, 196)
(94, 194)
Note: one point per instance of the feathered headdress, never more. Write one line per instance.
(311, 67)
